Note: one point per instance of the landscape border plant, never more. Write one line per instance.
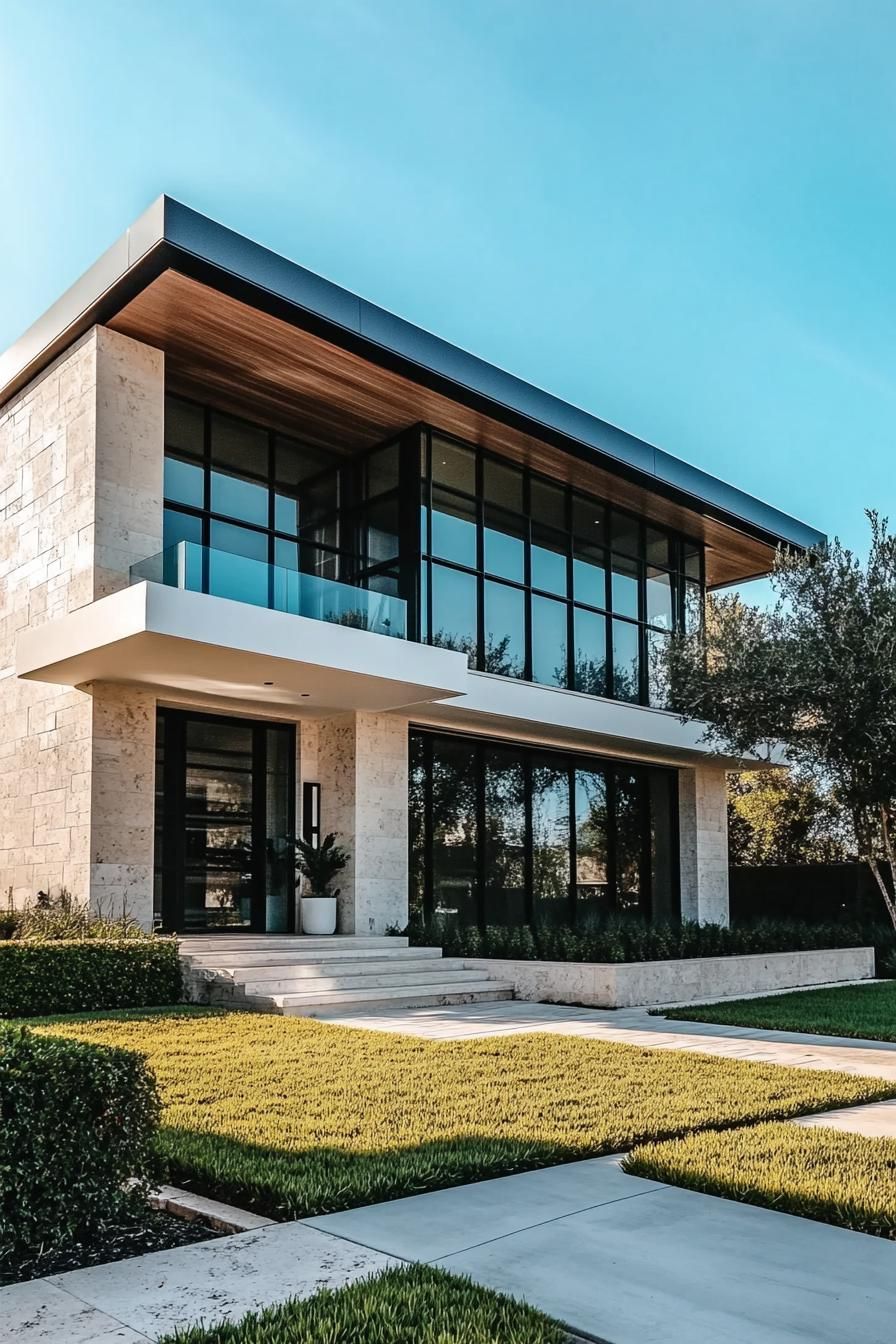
(77, 1145)
(39, 978)
(416, 1304)
(626, 938)
(292, 1117)
(812, 1171)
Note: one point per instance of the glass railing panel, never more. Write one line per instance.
(242, 578)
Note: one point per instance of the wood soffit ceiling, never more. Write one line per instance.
(247, 361)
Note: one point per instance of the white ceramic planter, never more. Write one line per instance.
(319, 915)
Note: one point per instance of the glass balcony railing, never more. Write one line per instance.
(200, 569)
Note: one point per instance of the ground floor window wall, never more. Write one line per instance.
(507, 834)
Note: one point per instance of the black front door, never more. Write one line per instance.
(225, 803)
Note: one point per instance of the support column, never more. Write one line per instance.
(363, 773)
(703, 830)
(122, 801)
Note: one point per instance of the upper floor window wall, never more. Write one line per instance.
(529, 577)
(535, 580)
(247, 492)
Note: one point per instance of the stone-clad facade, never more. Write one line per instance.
(81, 456)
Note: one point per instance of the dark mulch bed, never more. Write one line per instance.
(156, 1231)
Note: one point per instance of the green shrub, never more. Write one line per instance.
(618, 938)
(416, 1305)
(40, 978)
(76, 1140)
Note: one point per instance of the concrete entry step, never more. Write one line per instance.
(316, 976)
(324, 1005)
(298, 942)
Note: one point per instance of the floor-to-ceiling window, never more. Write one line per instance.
(535, 580)
(263, 503)
(508, 834)
(225, 807)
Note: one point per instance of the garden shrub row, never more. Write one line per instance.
(41, 978)
(623, 939)
(77, 1142)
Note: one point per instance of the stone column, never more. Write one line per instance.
(703, 830)
(122, 801)
(363, 772)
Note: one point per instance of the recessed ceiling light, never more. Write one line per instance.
(305, 694)
(268, 683)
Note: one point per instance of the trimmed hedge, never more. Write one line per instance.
(39, 979)
(414, 1305)
(627, 938)
(77, 1140)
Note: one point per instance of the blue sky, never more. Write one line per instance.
(678, 215)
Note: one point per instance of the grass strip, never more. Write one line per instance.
(292, 1117)
(866, 1011)
(820, 1173)
(417, 1305)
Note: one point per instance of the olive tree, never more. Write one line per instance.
(811, 679)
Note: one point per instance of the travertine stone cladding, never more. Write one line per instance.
(363, 769)
(703, 820)
(81, 459)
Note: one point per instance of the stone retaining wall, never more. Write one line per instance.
(688, 980)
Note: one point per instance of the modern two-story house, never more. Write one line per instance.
(276, 562)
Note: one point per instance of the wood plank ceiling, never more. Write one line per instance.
(241, 359)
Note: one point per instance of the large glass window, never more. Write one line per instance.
(551, 585)
(260, 496)
(507, 834)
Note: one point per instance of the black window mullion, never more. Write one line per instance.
(527, 577)
(480, 565)
(528, 850)
(573, 847)
(479, 757)
(612, 849)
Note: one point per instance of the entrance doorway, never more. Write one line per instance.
(225, 810)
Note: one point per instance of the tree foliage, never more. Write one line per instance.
(814, 673)
(779, 816)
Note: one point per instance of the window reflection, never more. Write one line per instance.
(626, 661)
(508, 835)
(454, 611)
(505, 630)
(549, 661)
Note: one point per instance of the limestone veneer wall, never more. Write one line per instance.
(703, 841)
(689, 980)
(81, 460)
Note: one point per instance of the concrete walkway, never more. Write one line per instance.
(136, 1300)
(877, 1120)
(634, 1026)
(636, 1262)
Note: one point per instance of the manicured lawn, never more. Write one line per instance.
(854, 1010)
(293, 1117)
(819, 1173)
(417, 1305)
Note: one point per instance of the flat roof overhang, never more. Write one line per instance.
(570, 720)
(246, 326)
(184, 642)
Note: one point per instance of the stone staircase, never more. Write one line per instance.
(314, 977)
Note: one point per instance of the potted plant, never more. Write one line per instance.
(316, 867)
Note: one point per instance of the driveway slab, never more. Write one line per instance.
(656, 1266)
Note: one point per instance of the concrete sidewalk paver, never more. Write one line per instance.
(634, 1026)
(39, 1313)
(877, 1120)
(150, 1295)
(503, 1206)
(660, 1266)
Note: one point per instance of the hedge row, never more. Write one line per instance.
(621, 939)
(39, 979)
(76, 1143)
